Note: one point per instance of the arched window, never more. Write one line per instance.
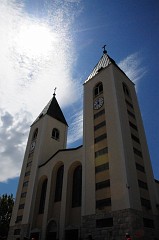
(55, 134)
(77, 187)
(59, 183)
(51, 232)
(98, 89)
(35, 134)
(33, 141)
(42, 197)
(126, 90)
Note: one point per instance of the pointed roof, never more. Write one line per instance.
(104, 62)
(52, 109)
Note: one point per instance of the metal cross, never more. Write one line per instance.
(104, 51)
(54, 92)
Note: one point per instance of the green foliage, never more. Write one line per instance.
(6, 206)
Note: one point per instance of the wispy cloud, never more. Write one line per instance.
(85, 29)
(76, 130)
(132, 66)
(37, 54)
(73, 1)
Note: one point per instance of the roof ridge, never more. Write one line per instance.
(60, 150)
(104, 61)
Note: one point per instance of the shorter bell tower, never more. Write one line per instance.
(48, 134)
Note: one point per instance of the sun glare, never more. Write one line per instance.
(35, 40)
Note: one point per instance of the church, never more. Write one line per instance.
(101, 190)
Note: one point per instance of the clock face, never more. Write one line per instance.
(32, 146)
(98, 103)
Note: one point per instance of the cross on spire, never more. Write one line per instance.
(104, 51)
(54, 92)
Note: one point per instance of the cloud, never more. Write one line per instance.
(72, 1)
(86, 29)
(131, 65)
(13, 134)
(76, 131)
(37, 55)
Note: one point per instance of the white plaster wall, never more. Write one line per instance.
(68, 158)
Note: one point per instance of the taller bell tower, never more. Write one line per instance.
(48, 134)
(120, 182)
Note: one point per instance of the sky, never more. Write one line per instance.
(56, 43)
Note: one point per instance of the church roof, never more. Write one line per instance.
(53, 109)
(60, 150)
(104, 62)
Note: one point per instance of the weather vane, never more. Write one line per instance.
(104, 51)
(54, 92)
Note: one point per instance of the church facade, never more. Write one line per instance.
(100, 190)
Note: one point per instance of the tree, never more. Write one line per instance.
(6, 206)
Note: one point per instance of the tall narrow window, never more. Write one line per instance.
(77, 187)
(59, 183)
(33, 141)
(35, 134)
(126, 90)
(42, 197)
(98, 89)
(55, 134)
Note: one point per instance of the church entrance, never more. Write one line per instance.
(51, 233)
(71, 234)
(34, 236)
(51, 236)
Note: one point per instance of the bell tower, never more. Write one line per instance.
(48, 134)
(115, 152)
(95, 137)
(52, 130)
